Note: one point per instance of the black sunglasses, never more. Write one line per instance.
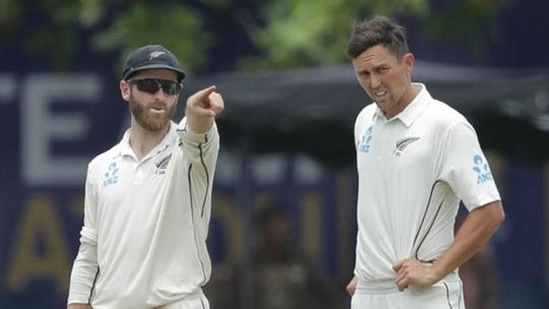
(152, 85)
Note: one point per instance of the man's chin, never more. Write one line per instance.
(156, 125)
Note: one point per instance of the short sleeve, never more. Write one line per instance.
(465, 167)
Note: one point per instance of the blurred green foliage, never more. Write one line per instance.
(303, 33)
(284, 33)
(465, 23)
(179, 28)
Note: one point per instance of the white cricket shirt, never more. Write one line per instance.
(413, 170)
(143, 243)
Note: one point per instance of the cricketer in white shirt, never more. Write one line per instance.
(148, 199)
(146, 223)
(413, 170)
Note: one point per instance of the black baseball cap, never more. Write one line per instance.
(151, 57)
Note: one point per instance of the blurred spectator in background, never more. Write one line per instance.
(279, 275)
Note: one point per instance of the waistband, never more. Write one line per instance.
(189, 297)
(389, 286)
(376, 287)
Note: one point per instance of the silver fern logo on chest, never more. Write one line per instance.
(162, 165)
(402, 144)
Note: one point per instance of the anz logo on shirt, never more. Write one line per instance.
(364, 145)
(111, 175)
(481, 169)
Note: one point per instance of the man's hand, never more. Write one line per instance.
(411, 271)
(79, 306)
(202, 108)
(351, 287)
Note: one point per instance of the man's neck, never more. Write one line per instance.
(142, 141)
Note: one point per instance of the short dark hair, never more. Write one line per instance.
(379, 30)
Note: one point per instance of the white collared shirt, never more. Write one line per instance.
(143, 243)
(413, 170)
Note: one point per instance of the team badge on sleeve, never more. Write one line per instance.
(481, 169)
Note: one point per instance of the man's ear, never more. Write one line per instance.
(409, 60)
(125, 90)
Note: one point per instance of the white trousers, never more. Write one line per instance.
(445, 294)
(198, 301)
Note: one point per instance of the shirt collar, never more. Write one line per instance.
(169, 139)
(414, 109)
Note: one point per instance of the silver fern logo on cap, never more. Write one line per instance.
(156, 54)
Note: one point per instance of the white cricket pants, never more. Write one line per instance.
(445, 294)
(198, 301)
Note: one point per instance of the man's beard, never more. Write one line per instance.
(148, 120)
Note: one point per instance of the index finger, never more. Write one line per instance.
(205, 93)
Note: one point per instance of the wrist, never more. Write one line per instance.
(437, 272)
